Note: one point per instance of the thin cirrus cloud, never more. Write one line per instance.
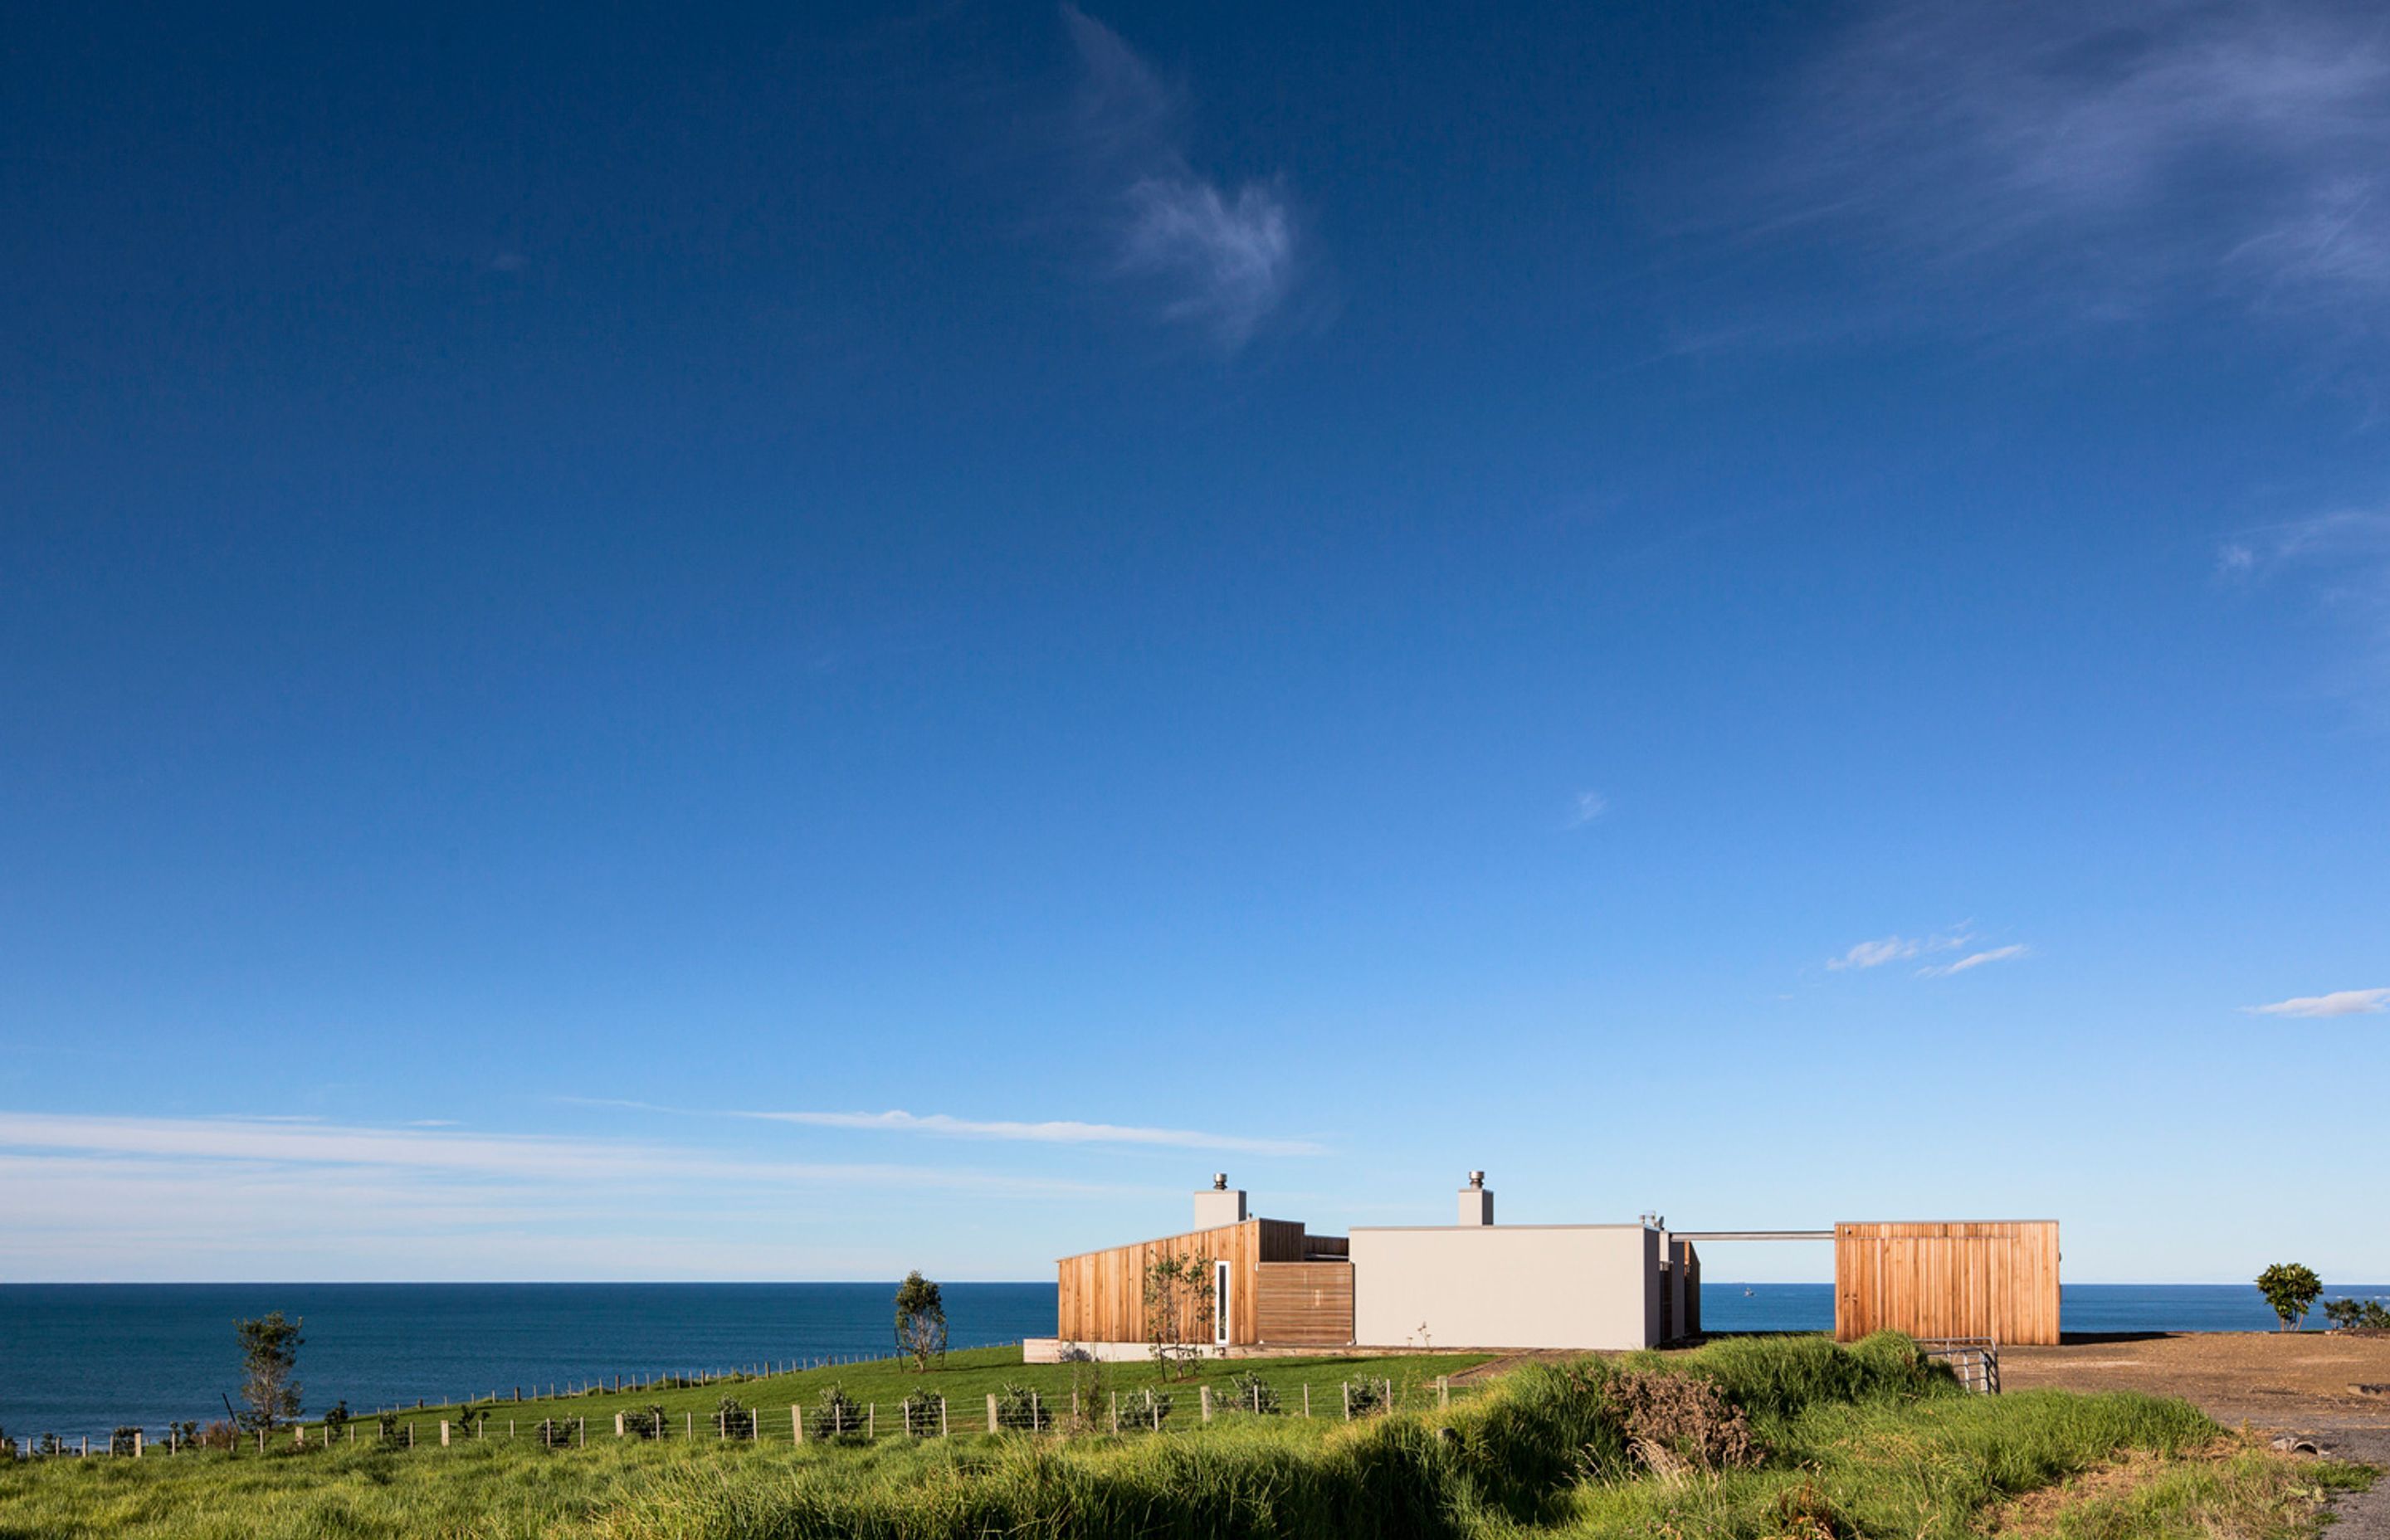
(2344, 1001)
(264, 1141)
(2114, 159)
(93, 1198)
(1584, 807)
(944, 1125)
(1971, 961)
(1218, 262)
(2340, 562)
(1889, 949)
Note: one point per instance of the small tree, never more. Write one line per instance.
(269, 1360)
(1178, 1312)
(920, 1321)
(2289, 1288)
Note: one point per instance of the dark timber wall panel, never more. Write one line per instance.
(1980, 1279)
(1305, 1303)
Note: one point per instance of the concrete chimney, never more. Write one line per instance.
(1219, 1204)
(1476, 1201)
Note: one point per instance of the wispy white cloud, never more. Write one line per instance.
(1584, 807)
(1220, 261)
(1889, 949)
(264, 1141)
(2109, 157)
(2346, 1002)
(93, 1197)
(1972, 960)
(947, 1126)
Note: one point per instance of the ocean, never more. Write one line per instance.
(79, 1359)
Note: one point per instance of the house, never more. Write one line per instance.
(1272, 1285)
(1275, 1285)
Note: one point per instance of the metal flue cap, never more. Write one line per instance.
(1220, 1181)
(1476, 1178)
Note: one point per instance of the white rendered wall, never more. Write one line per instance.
(1507, 1286)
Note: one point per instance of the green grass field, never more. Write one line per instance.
(1859, 1441)
(965, 1378)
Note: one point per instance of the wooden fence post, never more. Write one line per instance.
(136, 1443)
(1348, 1401)
(870, 1422)
(443, 1432)
(991, 1414)
(618, 1425)
(1306, 1398)
(1442, 1390)
(1115, 1411)
(1205, 1394)
(797, 1423)
(942, 1417)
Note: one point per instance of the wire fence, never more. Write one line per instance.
(131, 1441)
(834, 1418)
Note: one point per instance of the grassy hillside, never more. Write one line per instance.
(1857, 1441)
(965, 1378)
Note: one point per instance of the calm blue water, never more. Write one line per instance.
(79, 1359)
(2082, 1306)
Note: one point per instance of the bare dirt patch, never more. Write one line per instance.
(2268, 1379)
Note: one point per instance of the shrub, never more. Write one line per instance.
(733, 1420)
(1019, 1408)
(2357, 1314)
(925, 1414)
(838, 1415)
(645, 1423)
(219, 1434)
(1364, 1396)
(1146, 1408)
(1673, 1421)
(1248, 1393)
(386, 1428)
(559, 1433)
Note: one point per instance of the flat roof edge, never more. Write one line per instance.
(1476, 1229)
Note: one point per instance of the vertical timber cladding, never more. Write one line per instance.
(1984, 1279)
(1101, 1294)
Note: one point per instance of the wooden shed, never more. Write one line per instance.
(1976, 1278)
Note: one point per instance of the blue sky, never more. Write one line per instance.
(794, 645)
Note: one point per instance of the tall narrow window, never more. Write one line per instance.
(1220, 1303)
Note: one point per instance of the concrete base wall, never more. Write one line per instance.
(1048, 1349)
(1519, 1286)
